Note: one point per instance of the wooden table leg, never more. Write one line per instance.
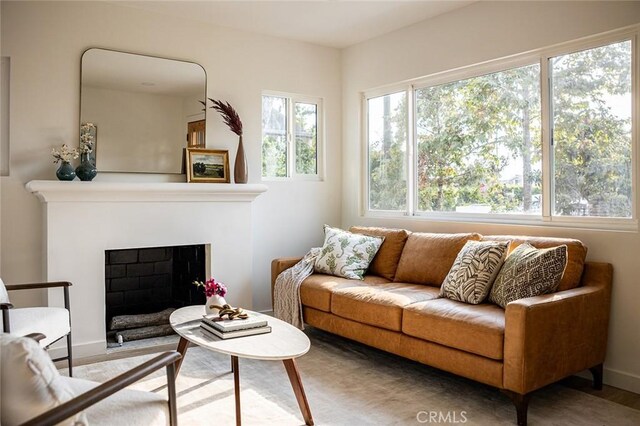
(298, 390)
(236, 385)
(183, 345)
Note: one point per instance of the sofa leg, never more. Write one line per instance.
(522, 405)
(597, 376)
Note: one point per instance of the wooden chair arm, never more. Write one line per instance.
(12, 287)
(6, 306)
(97, 394)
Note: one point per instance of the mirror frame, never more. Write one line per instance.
(183, 171)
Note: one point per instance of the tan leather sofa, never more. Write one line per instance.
(530, 344)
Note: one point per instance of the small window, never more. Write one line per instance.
(291, 136)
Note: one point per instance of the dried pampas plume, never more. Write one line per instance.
(229, 115)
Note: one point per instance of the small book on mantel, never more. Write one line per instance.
(227, 325)
(233, 334)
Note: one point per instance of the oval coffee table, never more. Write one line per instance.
(285, 342)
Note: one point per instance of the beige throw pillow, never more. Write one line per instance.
(30, 382)
(529, 272)
(470, 278)
(345, 254)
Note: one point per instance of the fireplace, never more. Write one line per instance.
(150, 280)
(123, 215)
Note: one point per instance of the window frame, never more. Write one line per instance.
(543, 57)
(291, 100)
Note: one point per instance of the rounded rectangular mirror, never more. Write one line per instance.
(145, 110)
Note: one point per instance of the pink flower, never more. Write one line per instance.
(212, 287)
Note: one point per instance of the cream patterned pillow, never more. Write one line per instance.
(345, 254)
(4, 296)
(470, 278)
(529, 272)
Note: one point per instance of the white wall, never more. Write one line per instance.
(45, 41)
(477, 33)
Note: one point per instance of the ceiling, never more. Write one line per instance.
(333, 23)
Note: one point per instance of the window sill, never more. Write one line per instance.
(587, 223)
(293, 179)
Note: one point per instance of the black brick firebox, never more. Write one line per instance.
(147, 280)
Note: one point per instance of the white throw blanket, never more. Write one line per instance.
(286, 291)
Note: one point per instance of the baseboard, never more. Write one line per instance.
(617, 379)
(622, 380)
(82, 350)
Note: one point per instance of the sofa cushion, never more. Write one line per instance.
(529, 272)
(427, 258)
(315, 291)
(379, 305)
(386, 261)
(576, 254)
(478, 329)
(345, 254)
(474, 270)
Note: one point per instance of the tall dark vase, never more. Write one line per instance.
(240, 168)
(86, 171)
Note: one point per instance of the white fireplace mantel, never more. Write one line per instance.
(58, 191)
(82, 220)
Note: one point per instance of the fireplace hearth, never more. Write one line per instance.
(145, 281)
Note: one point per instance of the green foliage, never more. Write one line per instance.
(592, 140)
(274, 156)
(306, 138)
(479, 148)
(387, 174)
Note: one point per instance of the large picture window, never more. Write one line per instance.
(474, 145)
(478, 145)
(291, 136)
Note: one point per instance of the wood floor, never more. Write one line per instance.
(609, 393)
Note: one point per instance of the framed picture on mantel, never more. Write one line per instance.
(207, 165)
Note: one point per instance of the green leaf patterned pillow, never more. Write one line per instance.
(345, 254)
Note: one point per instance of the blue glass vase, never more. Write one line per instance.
(86, 171)
(65, 171)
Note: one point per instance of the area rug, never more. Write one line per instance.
(351, 384)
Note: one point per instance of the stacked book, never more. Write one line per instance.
(229, 329)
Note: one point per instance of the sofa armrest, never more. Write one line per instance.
(279, 265)
(553, 336)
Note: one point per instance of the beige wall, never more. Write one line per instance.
(45, 41)
(477, 33)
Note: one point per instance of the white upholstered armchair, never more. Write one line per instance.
(52, 322)
(33, 393)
